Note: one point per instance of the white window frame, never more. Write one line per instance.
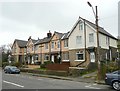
(91, 38)
(58, 44)
(107, 40)
(81, 26)
(65, 43)
(80, 52)
(52, 44)
(78, 40)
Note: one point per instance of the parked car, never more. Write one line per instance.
(11, 69)
(113, 79)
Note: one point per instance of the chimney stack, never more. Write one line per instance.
(29, 38)
(49, 34)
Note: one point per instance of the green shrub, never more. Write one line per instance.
(45, 63)
(108, 66)
(4, 64)
(17, 64)
(112, 66)
(103, 70)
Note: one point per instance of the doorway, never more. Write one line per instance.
(92, 57)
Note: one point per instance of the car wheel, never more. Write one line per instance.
(5, 71)
(116, 85)
(10, 72)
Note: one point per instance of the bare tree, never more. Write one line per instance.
(9, 46)
(3, 48)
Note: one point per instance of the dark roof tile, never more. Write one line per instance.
(21, 43)
(44, 40)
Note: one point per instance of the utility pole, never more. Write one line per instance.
(97, 32)
(98, 59)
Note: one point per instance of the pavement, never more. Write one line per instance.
(88, 78)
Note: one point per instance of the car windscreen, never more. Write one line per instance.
(13, 68)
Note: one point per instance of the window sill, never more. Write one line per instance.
(65, 47)
(79, 60)
(65, 60)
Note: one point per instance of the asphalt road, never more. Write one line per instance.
(25, 81)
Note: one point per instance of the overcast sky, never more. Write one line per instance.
(20, 19)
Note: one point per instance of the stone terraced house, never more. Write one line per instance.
(19, 50)
(77, 46)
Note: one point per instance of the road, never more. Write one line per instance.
(25, 81)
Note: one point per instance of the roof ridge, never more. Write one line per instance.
(90, 22)
(20, 40)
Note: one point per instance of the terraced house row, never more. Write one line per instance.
(77, 46)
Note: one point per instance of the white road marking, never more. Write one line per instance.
(40, 79)
(13, 84)
(53, 80)
(30, 77)
(89, 86)
(94, 84)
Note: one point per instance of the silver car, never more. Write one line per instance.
(11, 69)
(113, 79)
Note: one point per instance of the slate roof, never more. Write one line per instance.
(47, 39)
(65, 35)
(44, 40)
(21, 43)
(101, 30)
(34, 41)
(59, 34)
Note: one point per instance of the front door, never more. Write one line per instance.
(56, 59)
(92, 57)
(52, 58)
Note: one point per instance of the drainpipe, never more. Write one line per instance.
(85, 38)
(49, 51)
(60, 51)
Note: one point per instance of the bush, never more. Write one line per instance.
(17, 64)
(110, 66)
(4, 64)
(103, 70)
(45, 63)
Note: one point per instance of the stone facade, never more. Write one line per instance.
(77, 47)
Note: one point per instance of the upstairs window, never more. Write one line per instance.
(91, 38)
(32, 48)
(52, 45)
(24, 50)
(107, 40)
(65, 43)
(46, 46)
(58, 44)
(78, 39)
(20, 50)
(81, 26)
